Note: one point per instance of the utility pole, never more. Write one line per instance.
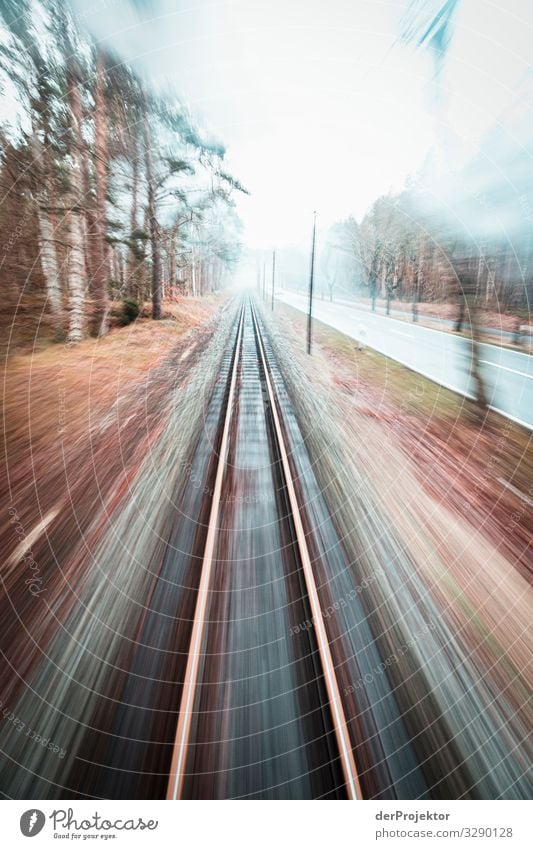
(311, 281)
(193, 273)
(264, 283)
(273, 274)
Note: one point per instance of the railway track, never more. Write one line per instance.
(247, 643)
(251, 375)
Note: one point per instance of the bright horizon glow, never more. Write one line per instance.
(318, 104)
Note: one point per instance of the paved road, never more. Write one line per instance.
(427, 319)
(442, 357)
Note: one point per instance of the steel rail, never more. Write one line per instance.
(181, 742)
(353, 787)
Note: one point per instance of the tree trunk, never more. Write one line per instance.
(373, 292)
(48, 254)
(100, 309)
(132, 255)
(459, 322)
(517, 336)
(467, 294)
(89, 221)
(479, 384)
(172, 269)
(193, 274)
(49, 266)
(416, 294)
(76, 263)
(152, 223)
(117, 266)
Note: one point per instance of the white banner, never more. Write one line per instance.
(276, 825)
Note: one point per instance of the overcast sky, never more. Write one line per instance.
(319, 105)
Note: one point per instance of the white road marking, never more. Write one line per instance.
(382, 349)
(401, 333)
(506, 368)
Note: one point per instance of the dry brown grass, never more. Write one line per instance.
(482, 473)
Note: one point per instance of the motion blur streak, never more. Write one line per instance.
(436, 706)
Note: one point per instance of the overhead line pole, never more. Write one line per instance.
(311, 282)
(273, 274)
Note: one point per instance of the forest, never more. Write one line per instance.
(406, 248)
(460, 229)
(111, 195)
(267, 414)
(115, 201)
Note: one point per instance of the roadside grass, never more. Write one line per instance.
(87, 378)
(382, 387)
(400, 385)
(26, 327)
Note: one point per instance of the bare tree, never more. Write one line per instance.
(100, 282)
(76, 258)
